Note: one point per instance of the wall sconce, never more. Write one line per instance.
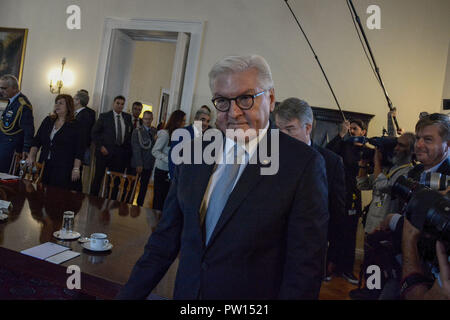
(60, 78)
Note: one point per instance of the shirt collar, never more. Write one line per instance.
(434, 169)
(14, 98)
(117, 114)
(197, 132)
(78, 111)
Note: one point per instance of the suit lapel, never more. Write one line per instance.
(250, 177)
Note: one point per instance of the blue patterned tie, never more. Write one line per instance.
(222, 191)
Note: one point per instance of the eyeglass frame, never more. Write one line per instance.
(235, 100)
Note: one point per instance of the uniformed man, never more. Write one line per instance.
(16, 122)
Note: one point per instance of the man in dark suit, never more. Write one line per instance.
(295, 118)
(242, 232)
(111, 135)
(350, 153)
(142, 161)
(86, 119)
(16, 122)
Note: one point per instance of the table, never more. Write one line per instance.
(37, 213)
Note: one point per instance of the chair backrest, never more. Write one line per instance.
(126, 188)
(34, 173)
(15, 164)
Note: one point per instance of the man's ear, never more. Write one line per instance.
(272, 99)
(308, 127)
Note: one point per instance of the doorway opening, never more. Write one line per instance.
(152, 61)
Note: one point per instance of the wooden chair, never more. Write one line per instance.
(126, 188)
(14, 168)
(33, 174)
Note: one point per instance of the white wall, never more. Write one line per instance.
(411, 48)
(151, 72)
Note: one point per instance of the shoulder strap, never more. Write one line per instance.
(390, 174)
(24, 103)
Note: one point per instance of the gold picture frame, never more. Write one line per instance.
(13, 43)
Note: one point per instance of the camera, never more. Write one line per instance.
(428, 211)
(436, 181)
(385, 145)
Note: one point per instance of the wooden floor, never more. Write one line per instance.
(336, 289)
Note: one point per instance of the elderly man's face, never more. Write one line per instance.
(242, 83)
(430, 148)
(6, 91)
(294, 128)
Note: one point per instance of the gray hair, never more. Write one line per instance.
(83, 96)
(411, 138)
(201, 112)
(440, 119)
(293, 108)
(11, 80)
(235, 64)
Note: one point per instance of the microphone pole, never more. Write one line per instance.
(317, 59)
(377, 70)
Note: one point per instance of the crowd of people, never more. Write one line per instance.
(240, 234)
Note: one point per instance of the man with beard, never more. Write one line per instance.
(382, 205)
(381, 181)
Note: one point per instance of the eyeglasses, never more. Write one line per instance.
(244, 102)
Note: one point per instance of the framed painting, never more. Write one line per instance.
(12, 51)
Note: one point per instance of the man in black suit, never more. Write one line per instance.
(295, 118)
(112, 136)
(351, 154)
(86, 120)
(242, 232)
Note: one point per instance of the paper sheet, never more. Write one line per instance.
(4, 176)
(44, 250)
(63, 256)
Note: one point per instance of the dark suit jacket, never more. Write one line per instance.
(269, 242)
(86, 120)
(24, 126)
(350, 156)
(104, 132)
(336, 188)
(66, 146)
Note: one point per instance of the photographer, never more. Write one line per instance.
(431, 148)
(350, 153)
(415, 285)
(383, 179)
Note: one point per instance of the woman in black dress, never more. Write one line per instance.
(60, 140)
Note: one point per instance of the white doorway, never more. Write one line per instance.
(115, 61)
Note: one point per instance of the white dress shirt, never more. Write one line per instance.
(122, 123)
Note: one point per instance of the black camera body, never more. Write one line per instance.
(428, 211)
(385, 145)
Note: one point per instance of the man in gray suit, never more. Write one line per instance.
(142, 161)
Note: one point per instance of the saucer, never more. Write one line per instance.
(66, 236)
(87, 245)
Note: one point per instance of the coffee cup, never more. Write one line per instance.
(99, 241)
